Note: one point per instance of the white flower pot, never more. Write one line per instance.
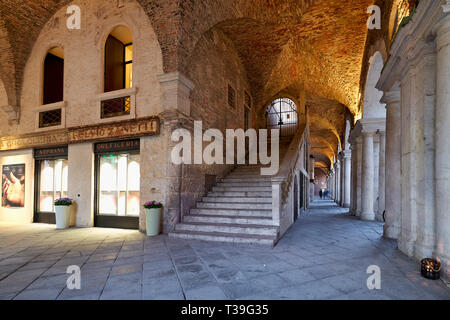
(62, 214)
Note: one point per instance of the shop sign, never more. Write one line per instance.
(117, 130)
(55, 152)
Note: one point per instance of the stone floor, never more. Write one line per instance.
(325, 255)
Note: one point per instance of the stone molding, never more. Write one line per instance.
(412, 42)
(12, 113)
(176, 90)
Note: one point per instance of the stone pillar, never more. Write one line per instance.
(354, 181)
(81, 183)
(359, 176)
(338, 181)
(443, 148)
(176, 90)
(393, 164)
(426, 224)
(381, 175)
(376, 170)
(312, 163)
(347, 178)
(367, 177)
(341, 203)
(332, 184)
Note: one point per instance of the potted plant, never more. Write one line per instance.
(62, 212)
(153, 213)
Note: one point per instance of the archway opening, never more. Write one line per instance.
(53, 88)
(373, 108)
(282, 114)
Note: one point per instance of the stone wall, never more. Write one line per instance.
(83, 64)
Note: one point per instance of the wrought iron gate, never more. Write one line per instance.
(282, 114)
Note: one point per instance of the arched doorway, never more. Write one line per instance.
(296, 196)
(282, 114)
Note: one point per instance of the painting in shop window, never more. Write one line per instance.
(13, 186)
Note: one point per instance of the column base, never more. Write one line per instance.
(406, 246)
(346, 205)
(379, 217)
(391, 232)
(423, 251)
(368, 216)
(445, 268)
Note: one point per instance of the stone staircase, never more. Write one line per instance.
(237, 210)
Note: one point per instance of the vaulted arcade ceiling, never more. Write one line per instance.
(285, 45)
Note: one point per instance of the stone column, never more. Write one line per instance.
(341, 203)
(367, 177)
(393, 164)
(354, 181)
(338, 181)
(311, 178)
(359, 176)
(381, 175)
(442, 137)
(376, 170)
(332, 183)
(347, 177)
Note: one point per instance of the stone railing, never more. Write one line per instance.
(281, 183)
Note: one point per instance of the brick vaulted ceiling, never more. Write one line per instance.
(285, 45)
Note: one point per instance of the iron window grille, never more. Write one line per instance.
(282, 114)
(50, 118)
(116, 107)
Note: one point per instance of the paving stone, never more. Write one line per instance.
(323, 256)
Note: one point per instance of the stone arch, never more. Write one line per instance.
(14, 53)
(372, 107)
(7, 67)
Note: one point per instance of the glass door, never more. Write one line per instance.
(51, 184)
(118, 190)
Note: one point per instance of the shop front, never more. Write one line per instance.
(51, 181)
(117, 184)
(98, 166)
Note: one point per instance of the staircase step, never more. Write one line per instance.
(228, 228)
(224, 199)
(249, 179)
(225, 237)
(239, 189)
(220, 205)
(232, 212)
(259, 194)
(244, 184)
(229, 219)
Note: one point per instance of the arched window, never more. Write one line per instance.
(118, 60)
(53, 89)
(282, 114)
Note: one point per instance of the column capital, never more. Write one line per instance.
(346, 154)
(442, 29)
(392, 97)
